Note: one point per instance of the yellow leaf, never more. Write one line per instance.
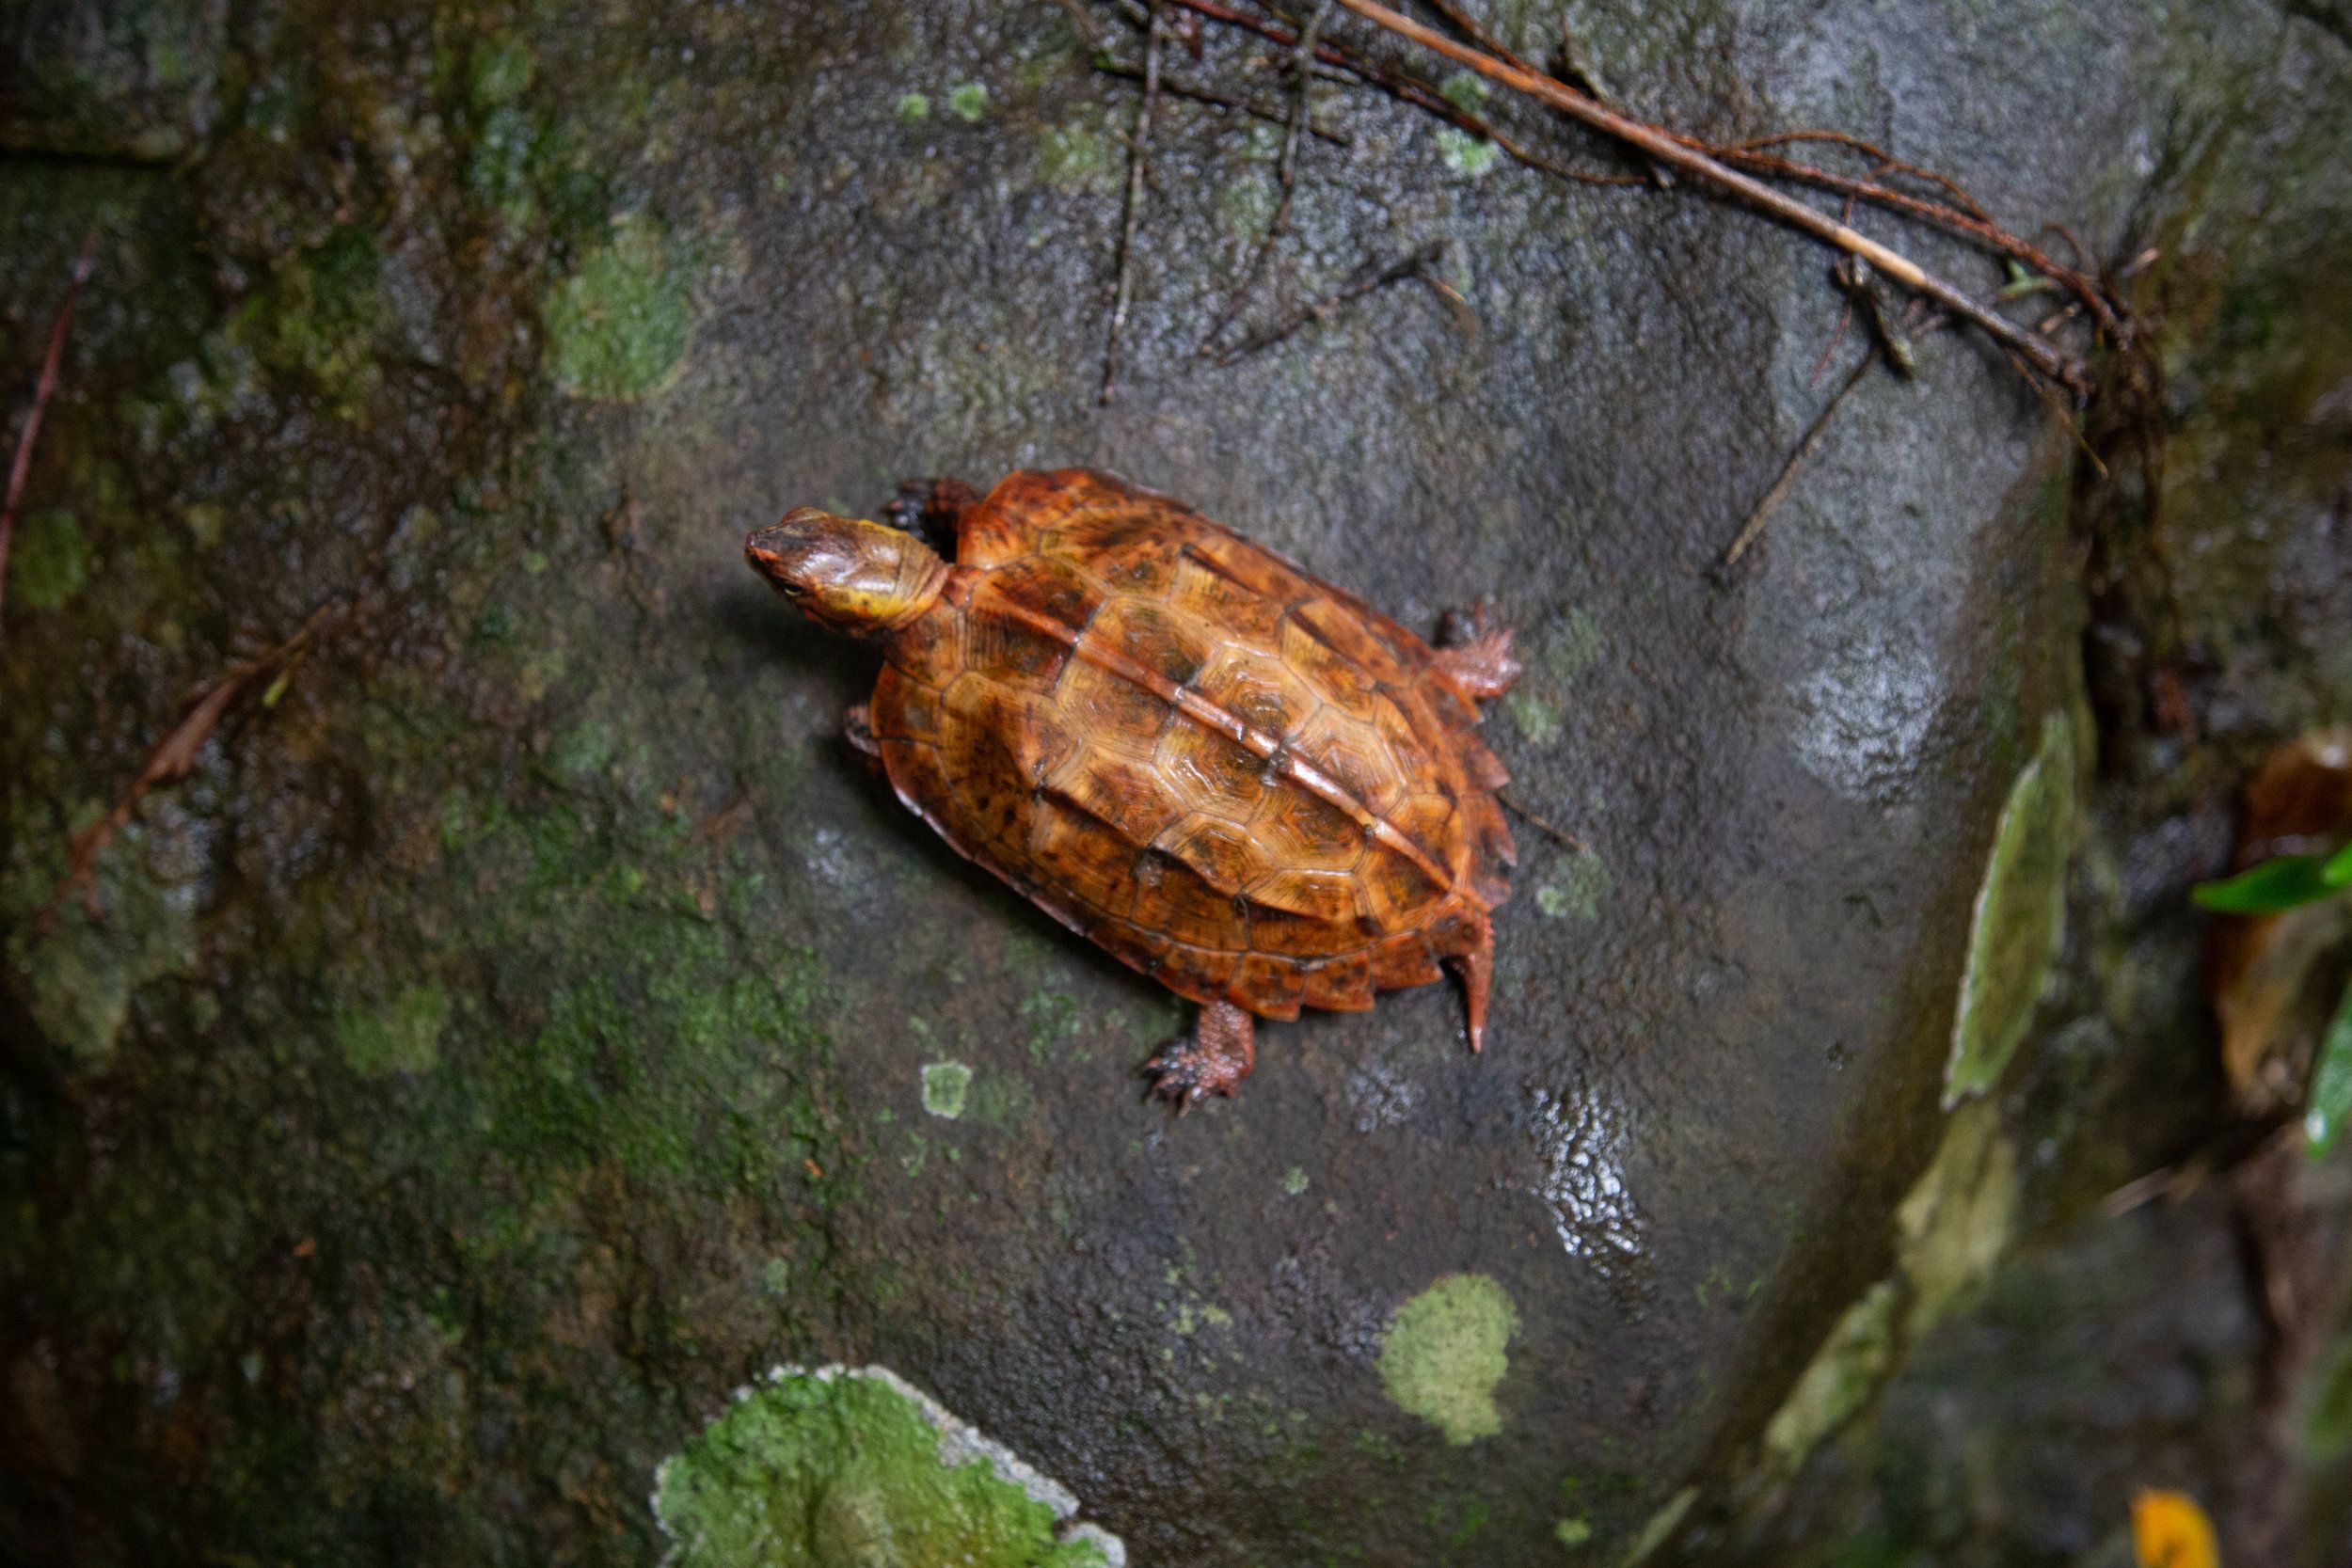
(2170, 1530)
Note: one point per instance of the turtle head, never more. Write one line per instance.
(846, 573)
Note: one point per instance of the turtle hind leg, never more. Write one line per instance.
(1216, 1056)
(1476, 658)
(857, 728)
(1475, 965)
(933, 510)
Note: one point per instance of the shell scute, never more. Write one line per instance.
(1003, 744)
(1403, 961)
(1002, 643)
(1198, 971)
(1211, 772)
(1254, 687)
(1047, 588)
(1114, 714)
(1129, 795)
(1311, 834)
(1222, 855)
(1253, 567)
(1139, 559)
(1342, 628)
(1329, 671)
(1093, 858)
(1330, 897)
(1184, 904)
(1210, 597)
(1273, 985)
(1172, 646)
(1352, 752)
(1398, 889)
(904, 709)
(1341, 985)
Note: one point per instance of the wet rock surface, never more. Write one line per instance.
(528, 1023)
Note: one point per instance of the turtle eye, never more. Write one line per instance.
(793, 589)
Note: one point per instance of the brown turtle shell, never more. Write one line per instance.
(1240, 780)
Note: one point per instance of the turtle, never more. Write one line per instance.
(1242, 781)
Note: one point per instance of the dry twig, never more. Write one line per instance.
(1403, 89)
(1754, 528)
(1561, 836)
(1176, 87)
(1138, 162)
(43, 390)
(173, 759)
(1682, 155)
(1365, 281)
(1285, 173)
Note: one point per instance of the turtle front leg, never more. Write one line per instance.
(1217, 1056)
(933, 510)
(1476, 659)
(857, 728)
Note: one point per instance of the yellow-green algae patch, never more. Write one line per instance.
(50, 562)
(838, 1466)
(1951, 1229)
(618, 329)
(1446, 1349)
(944, 1086)
(1661, 1527)
(1578, 892)
(402, 1036)
(1858, 1353)
(1956, 1220)
(2019, 919)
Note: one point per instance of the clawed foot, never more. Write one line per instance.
(1476, 655)
(931, 509)
(1216, 1056)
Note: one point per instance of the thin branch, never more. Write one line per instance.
(1365, 281)
(1754, 528)
(43, 390)
(1558, 835)
(1176, 87)
(1467, 25)
(173, 759)
(1138, 160)
(1884, 162)
(1285, 172)
(1971, 223)
(1404, 91)
(1667, 149)
(1082, 23)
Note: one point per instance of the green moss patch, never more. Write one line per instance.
(405, 1037)
(618, 329)
(1445, 1352)
(1578, 892)
(944, 1086)
(837, 1467)
(1837, 1383)
(48, 560)
(1956, 1220)
(2019, 919)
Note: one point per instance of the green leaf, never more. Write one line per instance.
(2338, 871)
(2331, 1083)
(2279, 883)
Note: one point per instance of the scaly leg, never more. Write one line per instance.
(933, 510)
(1477, 657)
(1476, 966)
(1218, 1055)
(857, 728)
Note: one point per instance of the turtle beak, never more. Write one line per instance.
(781, 551)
